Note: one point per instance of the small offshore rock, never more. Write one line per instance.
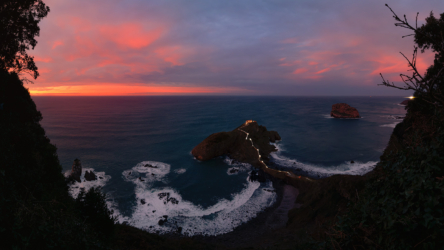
(234, 170)
(90, 176)
(343, 110)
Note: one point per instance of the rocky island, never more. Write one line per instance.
(343, 110)
(248, 143)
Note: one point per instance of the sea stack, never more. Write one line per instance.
(343, 110)
(243, 144)
(76, 170)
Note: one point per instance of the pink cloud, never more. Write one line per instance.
(131, 35)
(299, 71)
(323, 71)
(43, 59)
(56, 43)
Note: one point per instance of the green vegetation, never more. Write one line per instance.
(402, 206)
(36, 211)
(18, 27)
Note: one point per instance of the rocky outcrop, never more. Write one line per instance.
(90, 176)
(405, 102)
(235, 145)
(343, 110)
(76, 170)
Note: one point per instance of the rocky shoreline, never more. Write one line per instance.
(261, 231)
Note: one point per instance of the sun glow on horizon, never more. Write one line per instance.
(125, 90)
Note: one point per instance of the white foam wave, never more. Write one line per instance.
(236, 167)
(76, 187)
(146, 173)
(180, 171)
(154, 204)
(396, 117)
(328, 116)
(356, 168)
(391, 125)
(279, 147)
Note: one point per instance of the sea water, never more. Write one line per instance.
(118, 136)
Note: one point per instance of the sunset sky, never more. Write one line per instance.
(246, 47)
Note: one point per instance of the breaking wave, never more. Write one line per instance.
(356, 168)
(163, 210)
(76, 187)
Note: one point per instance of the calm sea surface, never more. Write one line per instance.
(118, 136)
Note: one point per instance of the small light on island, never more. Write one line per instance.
(410, 97)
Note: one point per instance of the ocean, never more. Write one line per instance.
(117, 136)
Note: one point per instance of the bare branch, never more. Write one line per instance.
(417, 14)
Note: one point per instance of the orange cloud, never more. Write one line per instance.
(131, 35)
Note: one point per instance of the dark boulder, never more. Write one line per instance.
(234, 170)
(274, 136)
(162, 221)
(257, 175)
(405, 102)
(150, 166)
(343, 110)
(90, 176)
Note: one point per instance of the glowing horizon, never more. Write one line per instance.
(286, 48)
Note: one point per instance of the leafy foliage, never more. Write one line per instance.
(403, 207)
(93, 209)
(36, 211)
(18, 29)
(430, 87)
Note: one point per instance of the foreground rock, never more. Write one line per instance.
(235, 145)
(343, 110)
(405, 102)
(90, 176)
(76, 170)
